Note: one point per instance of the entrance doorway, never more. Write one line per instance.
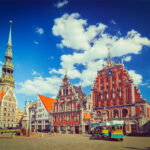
(55, 129)
(76, 129)
(87, 128)
(133, 128)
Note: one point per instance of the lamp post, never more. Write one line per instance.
(29, 122)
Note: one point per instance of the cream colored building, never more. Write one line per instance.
(8, 103)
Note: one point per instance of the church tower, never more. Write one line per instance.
(7, 79)
(8, 102)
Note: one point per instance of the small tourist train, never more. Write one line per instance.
(108, 130)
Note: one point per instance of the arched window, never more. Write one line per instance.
(107, 113)
(116, 113)
(98, 114)
(124, 113)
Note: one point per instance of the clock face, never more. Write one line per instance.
(109, 73)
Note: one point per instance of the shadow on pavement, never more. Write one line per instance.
(146, 148)
(104, 139)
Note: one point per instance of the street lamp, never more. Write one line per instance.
(29, 122)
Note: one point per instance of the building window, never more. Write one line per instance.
(5, 109)
(113, 93)
(4, 114)
(68, 117)
(69, 106)
(61, 118)
(55, 119)
(66, 91)
(61, 107)
(98, 114)
(46, 121)
(76, 117)
(124, 113)
(127, 94)
(40, 116)
(74, 106)
(63, 92)
(116, 113)
(119, 92)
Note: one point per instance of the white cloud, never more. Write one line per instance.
(48, 85)
(35, 42)
(127, 58)
(39, 30)
(72, 73)
(113, 21)
(61, 4)
(1, 63)
(136, 77)
(90, 42)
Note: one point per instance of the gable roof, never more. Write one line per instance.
(86, 116)
(2, 95)
(47, 102)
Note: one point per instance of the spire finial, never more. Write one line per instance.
(109, 56)
(9, 39)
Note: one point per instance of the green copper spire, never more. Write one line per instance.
(8, 69)
(9, 44)
(9, 39)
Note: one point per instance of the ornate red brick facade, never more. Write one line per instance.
(69, 108)
(115, 93)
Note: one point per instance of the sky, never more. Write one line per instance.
(51, 37)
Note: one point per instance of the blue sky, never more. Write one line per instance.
(51, 36)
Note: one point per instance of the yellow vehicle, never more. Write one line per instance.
(109, 130)
(116, 130)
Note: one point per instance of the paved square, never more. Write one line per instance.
(73, 142)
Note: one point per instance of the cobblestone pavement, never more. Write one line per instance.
(73, 142)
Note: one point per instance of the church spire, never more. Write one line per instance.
(9, 39)
(8, 68)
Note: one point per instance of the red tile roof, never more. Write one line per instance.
(2, 95)
(86, 116)
(47, 102)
